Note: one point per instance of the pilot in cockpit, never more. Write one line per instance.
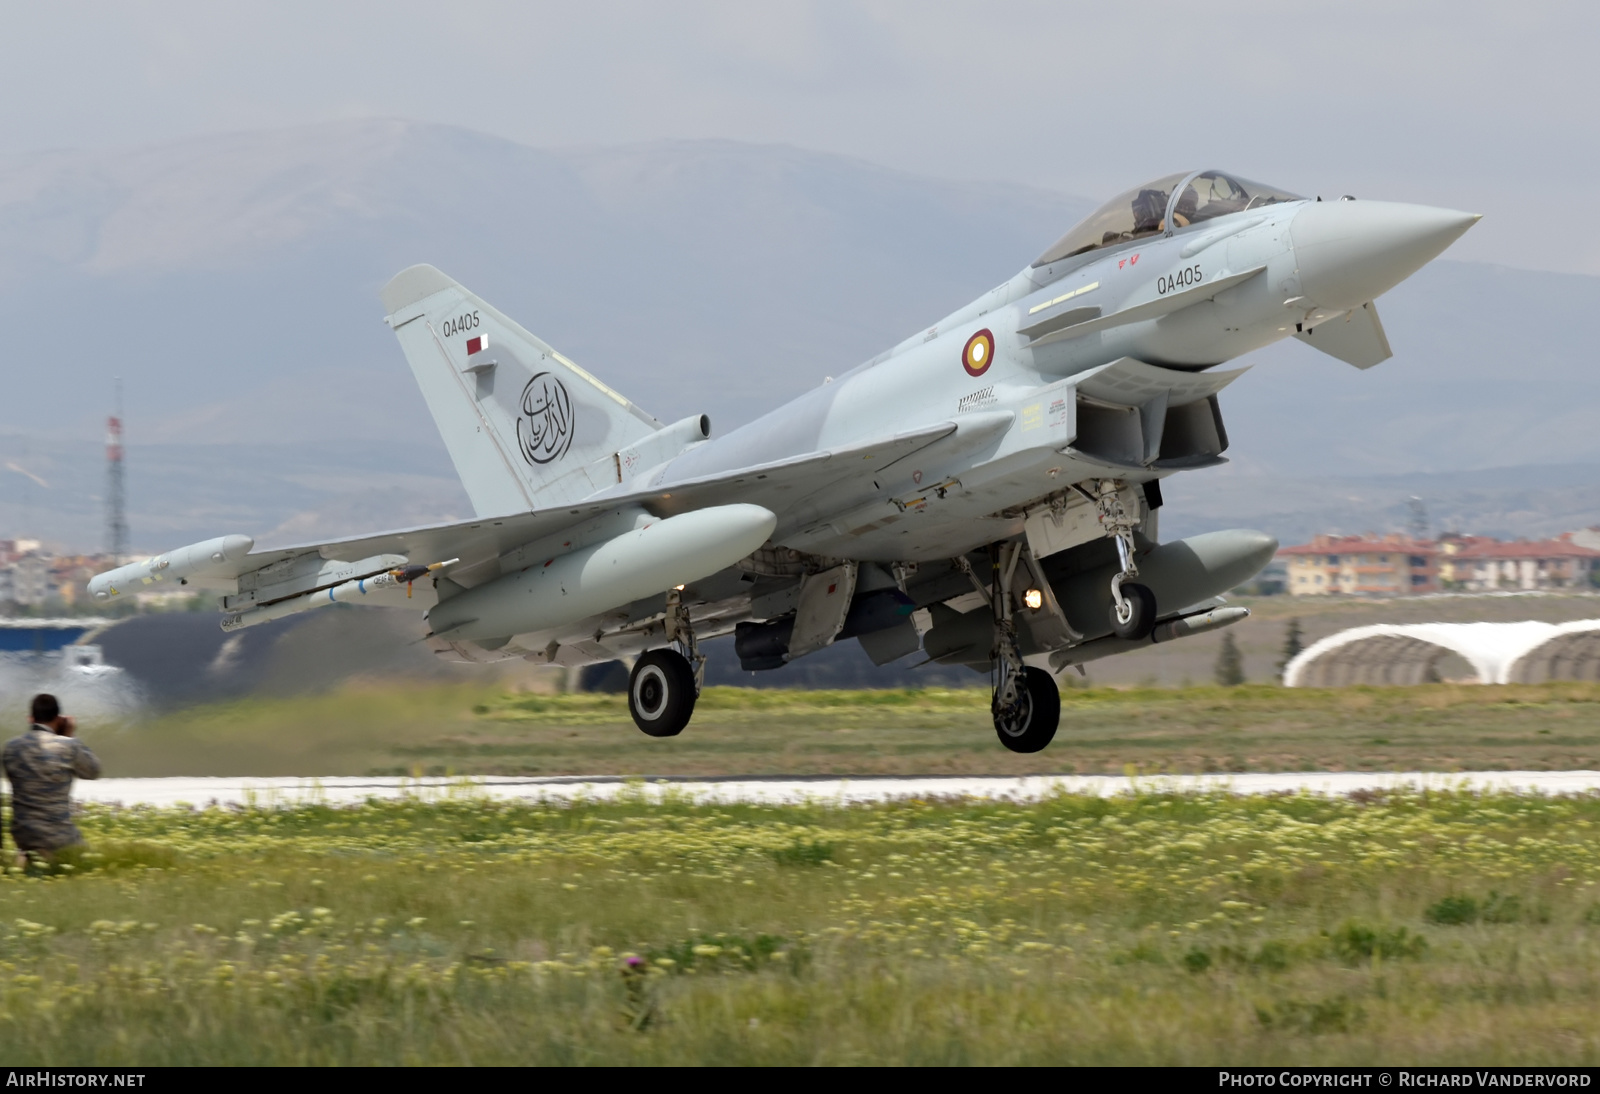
(1183, 214)
(1149, 211)
(1141, 212)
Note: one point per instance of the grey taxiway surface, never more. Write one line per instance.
(350, 790)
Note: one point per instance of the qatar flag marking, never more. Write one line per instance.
(477, 344)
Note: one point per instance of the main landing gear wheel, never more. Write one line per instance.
(1031, 721)
(661, 693)
(1135, 617)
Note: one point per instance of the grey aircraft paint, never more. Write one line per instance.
(1000, 468)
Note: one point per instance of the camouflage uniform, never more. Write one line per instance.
(40, 765)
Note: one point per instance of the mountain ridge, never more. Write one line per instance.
(231, 282)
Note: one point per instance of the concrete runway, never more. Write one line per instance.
(348, 790)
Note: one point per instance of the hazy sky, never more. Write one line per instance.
(1484, 106)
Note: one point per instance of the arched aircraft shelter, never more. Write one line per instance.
(1499, 653)
(1570, 652)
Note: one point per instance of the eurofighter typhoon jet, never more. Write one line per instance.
(985, 493)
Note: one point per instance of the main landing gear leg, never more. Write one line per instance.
(1026, 704)
(680, 632)
(665, 683)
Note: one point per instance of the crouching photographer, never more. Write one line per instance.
(40, 765)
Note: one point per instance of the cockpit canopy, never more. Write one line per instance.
(1142, 211)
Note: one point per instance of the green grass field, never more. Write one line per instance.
(1448, 929)
(475, 730)
(1440, 928)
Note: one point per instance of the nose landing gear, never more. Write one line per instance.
(1133, 606)
(1133, 609)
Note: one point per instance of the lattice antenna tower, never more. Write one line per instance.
(116, 496)
(1417, 526)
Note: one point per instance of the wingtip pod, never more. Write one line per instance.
(185, 562)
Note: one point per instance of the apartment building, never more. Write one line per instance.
(1450, 545)
(1366, 565)
(25, 580)
(31, 577)
(1478, 564)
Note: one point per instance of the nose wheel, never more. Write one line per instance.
(662, 693)
(1133, 607)
(1029, 722)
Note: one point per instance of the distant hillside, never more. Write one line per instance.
(231, 281)
(1507, 502)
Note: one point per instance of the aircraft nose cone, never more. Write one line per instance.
(1352, 251)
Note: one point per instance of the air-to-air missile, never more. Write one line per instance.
(345, 592)
(1210, 619)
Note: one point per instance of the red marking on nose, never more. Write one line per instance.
(1134, 261)
(831, 588)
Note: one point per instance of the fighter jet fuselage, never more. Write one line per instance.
(1189, 300)
(986, 492)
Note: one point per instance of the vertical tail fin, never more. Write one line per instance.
(525, 427)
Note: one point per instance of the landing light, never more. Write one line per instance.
(1034, 599)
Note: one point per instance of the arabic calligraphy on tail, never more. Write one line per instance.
(544, 430)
